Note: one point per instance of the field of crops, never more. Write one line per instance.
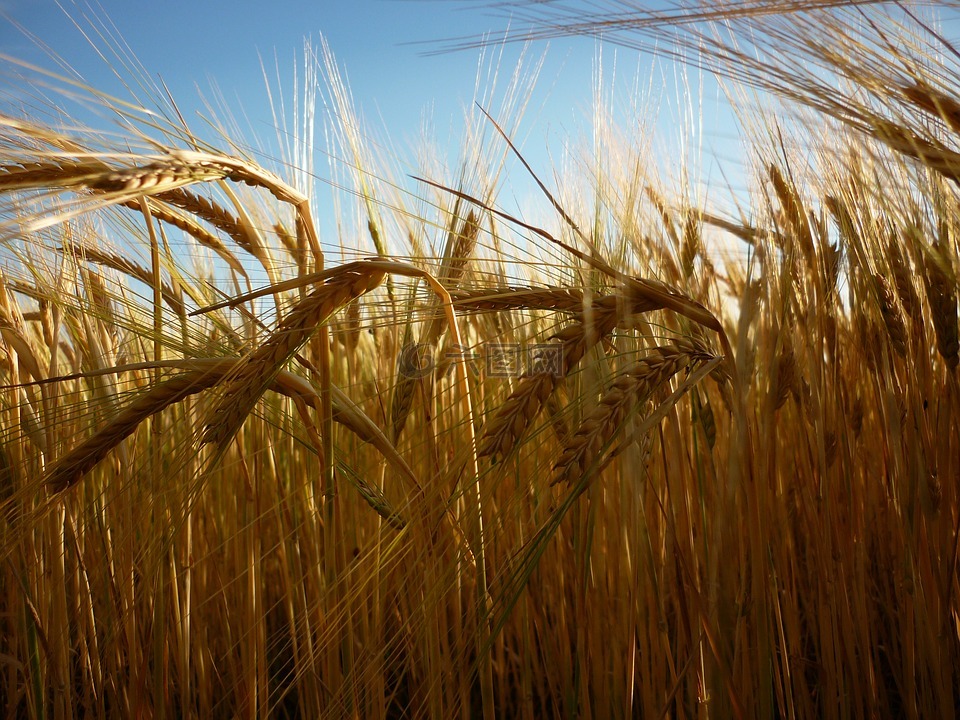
(652, 459)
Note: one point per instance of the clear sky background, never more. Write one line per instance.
(193, 43)
(381, 46)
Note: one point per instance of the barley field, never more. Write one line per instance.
(650, 457)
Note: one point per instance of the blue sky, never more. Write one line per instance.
(382, 47)
(192, 45)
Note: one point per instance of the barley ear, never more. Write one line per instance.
(941, 285)
(258, 369)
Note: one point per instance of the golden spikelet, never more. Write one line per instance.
(213, 213)
(892, 317)
(459, 249)
(515, 298)
(127, 267)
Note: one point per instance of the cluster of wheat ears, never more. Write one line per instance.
(244, 473)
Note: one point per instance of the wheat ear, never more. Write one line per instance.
(892, 317)
(941, 284)
(517, 298)
(213, 213)
(95, 175)
(457, 253)
(506, 429)
(69, 469)
(202, 374)
(259, 368)
(194, 229)
(127, 267)
(632, 386)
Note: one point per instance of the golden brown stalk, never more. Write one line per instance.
(831, 255)
(99, 299)
(30, 423)
(260, 367)
(632, 386)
